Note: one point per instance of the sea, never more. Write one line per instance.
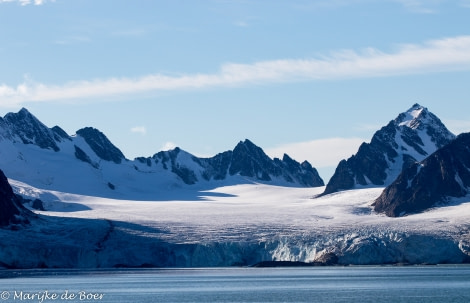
(430, 283)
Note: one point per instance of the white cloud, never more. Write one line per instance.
(139, 129)
(420, 6)
(367, 127)
(73, 40)
(241, 23)
(414, 6)
(457, 126)
(26, 2)
(168, 146)
(320, 153)
(432, 56)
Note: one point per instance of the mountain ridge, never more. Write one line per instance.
(410, 137)
(50, 158)
(423, 185)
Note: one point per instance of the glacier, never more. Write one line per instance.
(100, 210)
(233, 225)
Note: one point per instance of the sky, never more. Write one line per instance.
(310, 78)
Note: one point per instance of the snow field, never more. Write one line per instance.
(231, 225)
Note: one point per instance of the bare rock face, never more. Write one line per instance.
(11, 210)
(424, 184)
(246, 159)
(411, 137)
(101, 145)
(26, 128)
(250, 160)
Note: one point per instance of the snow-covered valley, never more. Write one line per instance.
(231, 225)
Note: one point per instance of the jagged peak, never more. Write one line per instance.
(30, 130)
(250, 148)
(286, 158)
(22, 114)
(60, 132)
(246, 143)
(101, 145)
(413, 117)
(24, 110)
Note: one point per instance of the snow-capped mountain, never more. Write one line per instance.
(434, 180)
(88, 163)
(411, 137)
(203, 211)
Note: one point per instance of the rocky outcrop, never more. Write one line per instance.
(246, 160)
(249, 160)
(444, 174)
(101, 145)
(26, 128)
(11, 210)
(411, 137)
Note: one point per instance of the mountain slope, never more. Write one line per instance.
(89, 164)
(411, 137)
(24, 127)
(11, 210)
(444, 174)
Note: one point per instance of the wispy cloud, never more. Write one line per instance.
(367, 127)
(432, 56)
(457, 126)
(72, 40)
(139, 129)
(241, 23)
(27, 2)
(413, 6)
(420, 6)
(168, 146)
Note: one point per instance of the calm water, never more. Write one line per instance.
(318, 284)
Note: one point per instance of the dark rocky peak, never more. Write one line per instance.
(411, 137)
(101, 145)
(419, 118)
(289, 161)
(167, 156)
(249, 148)
(26, 127)
(304, 173)
(170, 161)
(413, 116)
(424, 184)
(11, 210)
(249, 160)
(60, 133)
(216, 168)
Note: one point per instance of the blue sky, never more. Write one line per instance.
(310, 78)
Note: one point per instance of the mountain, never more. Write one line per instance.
(442, 175)
(246, 160)
(88, 163)
(249, 160)
(411, 137)
(24, 127)
(11, 210)
(200, 212)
